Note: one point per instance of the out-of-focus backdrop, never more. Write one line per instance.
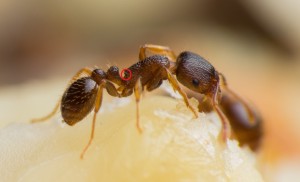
(253, 43)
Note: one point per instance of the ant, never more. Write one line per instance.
(244, 119)
(84, 93)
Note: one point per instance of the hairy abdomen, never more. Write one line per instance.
(78, 100)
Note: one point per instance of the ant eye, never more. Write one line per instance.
(195, 82)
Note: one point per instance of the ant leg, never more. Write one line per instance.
(176, 87)
(226, 132)
(98, 103)
(252, 115)
(226, 129)
(223, 79)
(156, 49)
(111, 89)
(47, 116)
(79, 73)
(137, 93)
(155, 82)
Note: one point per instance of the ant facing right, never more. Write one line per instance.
(194, 72)
(199, 76)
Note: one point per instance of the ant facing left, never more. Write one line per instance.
(84, 93)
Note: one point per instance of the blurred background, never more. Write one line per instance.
(253, 43)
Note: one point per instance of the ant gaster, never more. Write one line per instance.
(85, 93)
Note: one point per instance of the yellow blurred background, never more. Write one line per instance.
(253, 43)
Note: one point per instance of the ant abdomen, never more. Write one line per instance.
(78, 100)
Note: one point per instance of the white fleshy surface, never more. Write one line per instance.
(174, 146)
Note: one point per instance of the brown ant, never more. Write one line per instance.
(85, 93)
(245, 121)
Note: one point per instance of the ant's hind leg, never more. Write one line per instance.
(156, 49)
(177, 87)
(47, 116)
(85, 70)
(98, 103)
(137, 93)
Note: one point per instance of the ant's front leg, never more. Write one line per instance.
(177, 87)
(156, 49)
(226, 128)
(52, 113)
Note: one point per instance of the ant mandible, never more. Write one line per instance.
(85, 93)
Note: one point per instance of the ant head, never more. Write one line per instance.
(196, 73)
